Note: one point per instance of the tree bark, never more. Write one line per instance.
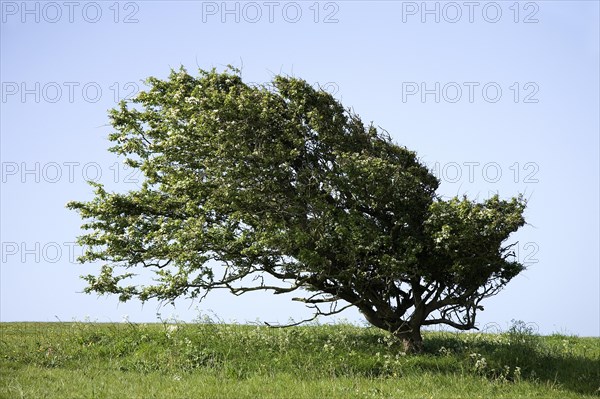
(411, 339)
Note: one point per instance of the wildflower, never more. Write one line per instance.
(171, 329)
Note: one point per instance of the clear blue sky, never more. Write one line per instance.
(495, 96)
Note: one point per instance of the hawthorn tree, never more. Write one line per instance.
(279, 188)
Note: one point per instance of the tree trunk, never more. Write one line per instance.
(409, 332)
(411, 339)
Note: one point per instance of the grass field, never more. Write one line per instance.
(217, 360)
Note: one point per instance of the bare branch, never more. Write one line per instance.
(315, 316)
(451, 323)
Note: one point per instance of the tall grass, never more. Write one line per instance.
(214, 359)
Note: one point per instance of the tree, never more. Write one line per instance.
(279, 188)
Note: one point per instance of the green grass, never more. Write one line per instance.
(216, 360)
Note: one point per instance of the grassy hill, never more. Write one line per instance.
(216, 360)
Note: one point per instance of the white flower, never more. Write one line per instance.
(173, 328)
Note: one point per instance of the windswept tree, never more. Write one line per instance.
(279, 188)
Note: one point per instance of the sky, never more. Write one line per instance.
(495, 97)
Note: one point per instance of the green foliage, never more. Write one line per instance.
(216, 360)
(281, 181)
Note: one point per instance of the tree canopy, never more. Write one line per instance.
(278, 187)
